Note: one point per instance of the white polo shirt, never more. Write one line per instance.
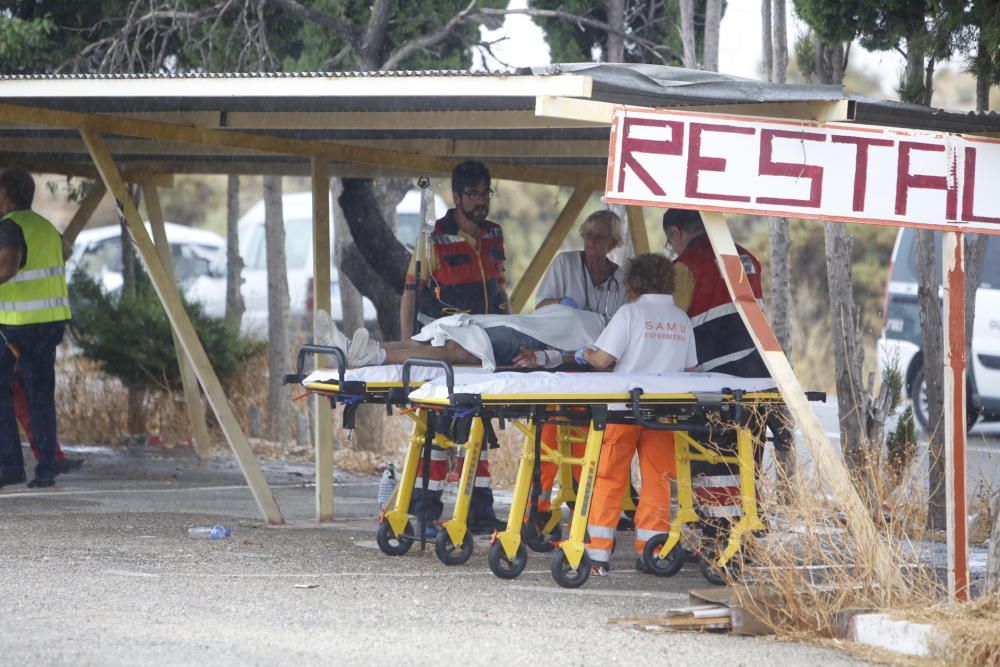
(651, 336)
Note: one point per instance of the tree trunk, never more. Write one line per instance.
(278, 412)
(381, 274)
(993, 556)
(350, 298)
(615, 51)
(779, 43)
(847, 353)
(928, 280)
(235, 305)
(713, 22)
(689, 58)
(766, 48)
(136, 411)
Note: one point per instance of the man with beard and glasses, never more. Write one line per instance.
(462, 272)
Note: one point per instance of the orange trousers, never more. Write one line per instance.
(656, 465)
(549, 470)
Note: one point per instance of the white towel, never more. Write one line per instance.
(559, 327)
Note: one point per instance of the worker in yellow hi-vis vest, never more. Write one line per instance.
(34, 309)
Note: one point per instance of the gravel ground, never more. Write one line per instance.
(100, 571)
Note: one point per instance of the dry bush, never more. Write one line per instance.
(968, 632)
(807, 567)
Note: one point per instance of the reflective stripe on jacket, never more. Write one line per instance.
(465, 279)
(722, 341)
(38, 293)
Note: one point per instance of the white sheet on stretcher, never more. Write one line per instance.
(386, 374)
(582, 385)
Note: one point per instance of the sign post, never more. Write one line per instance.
(828, 171)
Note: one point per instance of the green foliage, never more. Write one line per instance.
(571, 41)
(23, 44)
(128, 335)
(901, 445)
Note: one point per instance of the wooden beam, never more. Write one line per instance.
(189, 383)
(181, 323)
(85, 212)
(601, 113)
(323, 427)
(637, 229)
(329, 150)
(550, 246)
(828, 462)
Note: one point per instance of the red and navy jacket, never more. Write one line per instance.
(721, 339)
(464, 280)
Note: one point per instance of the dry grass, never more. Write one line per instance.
(808, 568)
(969, 635)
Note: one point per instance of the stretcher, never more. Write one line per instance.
(701, 408)
(389, 386)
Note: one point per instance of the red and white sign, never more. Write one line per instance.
(796, 169)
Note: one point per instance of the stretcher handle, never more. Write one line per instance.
(336, 352)
(654, 425)
(449, 372)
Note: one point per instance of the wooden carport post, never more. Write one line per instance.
(181, 323)
(637, 229)
(560, 229)
(858, 520)
(192, 397)
(323, 425)
(85, 212)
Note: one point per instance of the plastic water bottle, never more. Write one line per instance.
(209, 532)
(387, 485)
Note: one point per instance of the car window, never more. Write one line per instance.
(904, 270)
(298, 243)
(989, 274)
(100, 255)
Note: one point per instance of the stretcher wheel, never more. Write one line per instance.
(536, 540)
(663, 567)
(719, 576)
(504, 567)
(391, 544)
(450, 553)
(565, 575)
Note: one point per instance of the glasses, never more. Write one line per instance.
(486, 194)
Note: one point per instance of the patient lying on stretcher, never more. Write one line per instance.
(546, 338)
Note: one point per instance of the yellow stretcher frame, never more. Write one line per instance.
(569, 563)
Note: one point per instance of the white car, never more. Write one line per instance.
(901, 338)
(210, 289)
(98, 252)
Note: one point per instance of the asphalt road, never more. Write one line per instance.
(99, 571)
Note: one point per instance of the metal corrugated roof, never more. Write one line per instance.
(451, 114)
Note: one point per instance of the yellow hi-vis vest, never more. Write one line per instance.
(38, 293)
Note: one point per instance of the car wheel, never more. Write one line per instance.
(921, 410)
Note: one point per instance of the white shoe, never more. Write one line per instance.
(363, 350)
(327, 332)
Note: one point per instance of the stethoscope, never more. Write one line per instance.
(606, 288)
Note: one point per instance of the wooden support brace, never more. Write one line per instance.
(828, 464)
(637, 229)
(553, 240)
(953, 282)
(181, 323)
(85, 212)
(192, 396)
(323, 426)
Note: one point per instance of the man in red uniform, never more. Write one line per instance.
(723, 343)
(463, 272)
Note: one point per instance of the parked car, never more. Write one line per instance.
(98, 252)
(210, 289)
(901, 337)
